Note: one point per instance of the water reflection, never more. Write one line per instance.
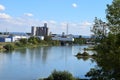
(41, 61)
(83, 58)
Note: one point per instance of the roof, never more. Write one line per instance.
(18, 34)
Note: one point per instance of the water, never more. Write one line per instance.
(35, 63)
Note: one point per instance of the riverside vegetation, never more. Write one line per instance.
(108, 49)
(35, 42)
(31, 42)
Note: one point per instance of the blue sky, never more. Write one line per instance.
(20, 15)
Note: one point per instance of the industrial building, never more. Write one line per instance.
(13, 37)
(39, 31)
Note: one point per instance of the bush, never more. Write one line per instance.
(9, 47)
(34, 40)
(59, 75)
(23, 41)
(18, 44)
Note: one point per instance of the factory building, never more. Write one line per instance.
(39, 31)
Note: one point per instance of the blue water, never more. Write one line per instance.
(35, 63)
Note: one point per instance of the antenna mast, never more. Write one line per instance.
(67, 29)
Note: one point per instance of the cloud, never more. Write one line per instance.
(4, 16)
(74, 5)
(23, 24)
(86, 23)
(28, 14)
(52, 22)
(2, 7)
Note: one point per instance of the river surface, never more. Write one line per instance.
(35, 63)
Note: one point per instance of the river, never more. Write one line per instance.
(35, 63)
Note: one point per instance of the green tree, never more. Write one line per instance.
(108, 57)
(9, 47)
(47, 38)
(60, 75)
(99, 29)
(80, 40)
(113, 16)
(34, 40)
(23, 41)
(0, 32)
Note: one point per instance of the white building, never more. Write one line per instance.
(17, 36)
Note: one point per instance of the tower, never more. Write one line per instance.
(67, 29)
(33, 31)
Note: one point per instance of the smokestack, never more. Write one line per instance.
(67, 29)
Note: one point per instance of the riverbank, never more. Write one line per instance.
(8, 46)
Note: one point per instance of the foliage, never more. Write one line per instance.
(109, 67)
(99, 29)
(0, 32)
(34, 40)
(23, 41)
(9, 47)
(79, 40)
(113, 16)
(49, 41)
(47, 38)
(18, 44)
(108, 56)
(55, 43)
(59, 75)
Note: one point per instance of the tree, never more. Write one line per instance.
(60, 75)
(9, 47)
(108, 52)
(113, 16)
(34, 40)
(23, 41)
(99, 29)
(47, 38)
(0, 32)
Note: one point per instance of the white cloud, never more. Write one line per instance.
(86, 23)
(23, 24)
(2, 7)
(4, 16)
(28, 14)
(63, 24)
(52, 22)
(73, 24)
(74, 5)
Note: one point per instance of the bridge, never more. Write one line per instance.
(64, 40)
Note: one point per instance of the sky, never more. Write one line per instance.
(20, 15)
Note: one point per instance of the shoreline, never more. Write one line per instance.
(2, 44)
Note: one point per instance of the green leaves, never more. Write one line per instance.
(99, 29)
(113, 16)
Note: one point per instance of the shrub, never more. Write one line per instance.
(59, 75)
(34, 40)
(23, 41)
(9, 47)
(18, 44)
